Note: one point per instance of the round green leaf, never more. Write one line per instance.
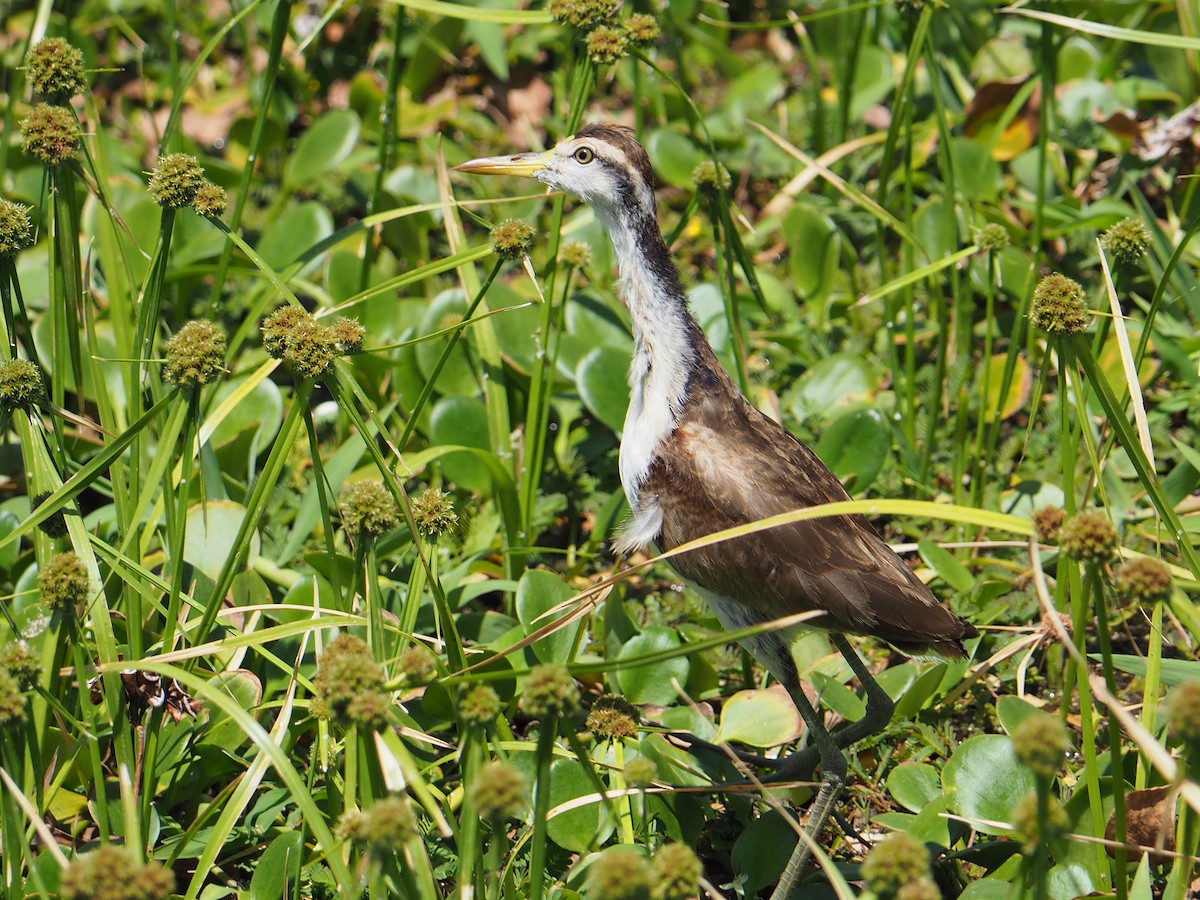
(834, 381)
(259, 412)
(760, 718)
(583, 828)
(278, 865)
(463, 421)
(457, 376)
(915, 785)
(983, 780)
(674, 156)
(601, 380)
(652, 683)
(1017, 396)
(814, 243)
(538, 592)
(855, 446)
(244, 687)
(211, 531)
(297, 229)
(329, 141)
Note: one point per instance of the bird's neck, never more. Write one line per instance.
(666, 340)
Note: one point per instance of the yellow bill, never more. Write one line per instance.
(518, 164)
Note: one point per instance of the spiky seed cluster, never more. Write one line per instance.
(1089, 537)
(308, 346)
(1040, 743)
(1127, 241)
(583, 14)
(415, 665)
(112, 873)
(64, 582)
(677, 873)
(195, 355)
(640, 771)
(499, 792)
(576, 254)
(606, 44)
(619, 873)
(512, 239)
(613, 717)
(384, 828)
(992, 237)
(20, 385)
(1047, 522)
(1144, 580)
(367, 509)
(709, 177)
(896, 861)
(52, 134)
(175, 180)
(433, 513)
(19, 661)
(921, 889)
(16, 231)
(549, 691)
(12, 700)
(1059, 305)
(56, 69)
(1184, 715)
(1031, 829)
(478, 705)
(349, 684)
(210, 200)
(642, 30)
(54, 525)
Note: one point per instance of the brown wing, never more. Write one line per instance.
(727, 464)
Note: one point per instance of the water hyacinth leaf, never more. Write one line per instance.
(585, 827)
(279, 864)
(602, 384)
(463, 421)
(1027, 497)
(855, 446)
(759, 718)
(915, 785)
(538, 592)
(456, 376)
(1012, 711)
(653, 683)
(304, 225)
(330, 140)
(1015, 398)
(833, 382)
(947, 566)
(761, 852)
(211, 531)
(257, 414)
(674, 157)
(983, 780)
(815, 244)
(245, 688)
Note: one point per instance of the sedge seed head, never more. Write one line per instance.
(20, 385)
(921, 889)
(549, 691)
(433, 513)
(12, 700)
(1089, 537)
(583, 14)
(369, 709)
(416, 665)
(64, 583)
(19, 661)
(1040, 743)
(1183, 716)
(576, 254)
(367, 508)
(992, 237)
(640, 771)
(708, 177)
(112, 873)
(389, 825)
(1030, 828)
(346, 673)
(606, 44)
(642, 30)
(499, 792)
(478, 705)
(677, 872)
(52, 134)
(277, 329)
(310, 349)
(54, 525)
(512, 239)
(175, 180)
(348, 335)
(1144, 580)
(195, 355)
(1127, 241)
(613, 717)
(16, 231)
(1059, 305)
(1047, 522)
(619, 873)
(211, 200)
(56, 69)
(896, 861)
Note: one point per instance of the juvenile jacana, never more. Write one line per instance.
(697, 458)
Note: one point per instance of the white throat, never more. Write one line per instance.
(662, 357)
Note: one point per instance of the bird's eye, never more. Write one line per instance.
(584, 155)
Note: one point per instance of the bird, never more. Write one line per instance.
(696, 457)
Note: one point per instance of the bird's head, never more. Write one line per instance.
(602, 165)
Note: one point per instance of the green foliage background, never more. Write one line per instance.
(902, 176)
